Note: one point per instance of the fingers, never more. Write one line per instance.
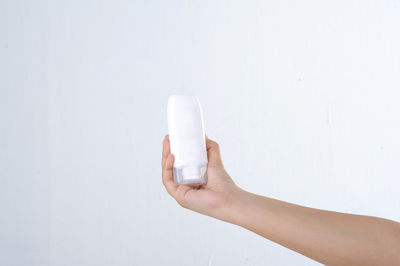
(213, 153)
(166, 150)
(167, 168)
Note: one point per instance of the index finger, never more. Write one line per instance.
(167, 168)
(165, 150)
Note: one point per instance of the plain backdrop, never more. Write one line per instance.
(303, 97)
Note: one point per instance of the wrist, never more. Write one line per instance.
(235, 205)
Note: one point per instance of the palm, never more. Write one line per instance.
(207, 195)
(204, 198)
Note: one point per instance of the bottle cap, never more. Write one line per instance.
(192, 174)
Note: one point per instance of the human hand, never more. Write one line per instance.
(325, 236)
(213, 198)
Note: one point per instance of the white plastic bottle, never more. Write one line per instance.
(187, 140)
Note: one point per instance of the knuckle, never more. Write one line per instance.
(182, 202)
(183, 205)
(214, 144)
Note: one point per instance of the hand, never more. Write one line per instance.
(213, 198)
(329, 237)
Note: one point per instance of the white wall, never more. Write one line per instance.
(303, 97)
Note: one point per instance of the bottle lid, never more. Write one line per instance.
(191, 172)
(195, 175)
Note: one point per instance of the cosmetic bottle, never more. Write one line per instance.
(187, 140)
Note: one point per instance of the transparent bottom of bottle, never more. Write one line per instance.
(190, 175)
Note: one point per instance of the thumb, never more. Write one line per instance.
(213, 153)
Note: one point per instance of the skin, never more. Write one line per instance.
(331, 238)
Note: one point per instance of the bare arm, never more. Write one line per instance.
(328, 237)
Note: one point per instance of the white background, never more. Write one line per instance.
(303, 97)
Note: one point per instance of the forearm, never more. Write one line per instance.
(328, 237)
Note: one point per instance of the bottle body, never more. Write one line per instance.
(187, 140)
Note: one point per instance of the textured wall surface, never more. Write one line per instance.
(303, 97)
